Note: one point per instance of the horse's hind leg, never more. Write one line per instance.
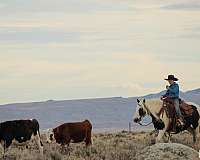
(197, 137)
(194, 137)
(193, 132)
(197, 131)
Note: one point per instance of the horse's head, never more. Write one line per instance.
(141, 111)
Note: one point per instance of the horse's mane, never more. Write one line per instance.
(154, 105)
(157, 103)
(154, 102)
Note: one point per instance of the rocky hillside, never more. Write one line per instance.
(166, 151)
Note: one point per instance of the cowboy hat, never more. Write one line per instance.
(171, 77)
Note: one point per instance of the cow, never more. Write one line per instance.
(20, 131)
(75, 132)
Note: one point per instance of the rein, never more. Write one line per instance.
(145, 124)
(148, 111)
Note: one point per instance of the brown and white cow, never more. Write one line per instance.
(20, 131)
(71, 132)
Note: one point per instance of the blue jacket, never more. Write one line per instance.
(173, 91)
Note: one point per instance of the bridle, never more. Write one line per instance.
(148, 112)
(157, 122)
(145, 124)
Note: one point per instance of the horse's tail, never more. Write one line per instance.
(194, 107)
(195, 117)
(198, 110)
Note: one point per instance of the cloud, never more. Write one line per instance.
(193, 5)
(2, 6)
(129, 89)
(38, 36)
(190, 36)
(47, 6)
(20, 67)
(117, 74)
(62, 50)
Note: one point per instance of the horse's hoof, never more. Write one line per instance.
(153, 141)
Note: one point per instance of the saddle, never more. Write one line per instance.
(186, 110)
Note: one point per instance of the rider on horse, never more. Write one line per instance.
(173, 94)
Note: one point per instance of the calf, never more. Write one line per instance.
(20, 131)
(71, 132)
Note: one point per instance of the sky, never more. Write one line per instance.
(72, 49)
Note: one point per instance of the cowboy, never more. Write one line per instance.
(173, 94)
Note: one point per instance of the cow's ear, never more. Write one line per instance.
(138, 101)
(144, 100)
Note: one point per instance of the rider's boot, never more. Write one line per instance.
(180, 121)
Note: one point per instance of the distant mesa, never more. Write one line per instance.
(195, 91)
(115, 110)
(50, 100)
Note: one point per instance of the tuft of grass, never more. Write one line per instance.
(55, 155)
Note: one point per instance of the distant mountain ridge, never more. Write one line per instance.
(192, 95)
(108, 114)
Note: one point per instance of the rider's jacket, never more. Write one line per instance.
(173, 91)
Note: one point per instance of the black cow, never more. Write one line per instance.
(20, 131)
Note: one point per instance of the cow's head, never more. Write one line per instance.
(50, 136)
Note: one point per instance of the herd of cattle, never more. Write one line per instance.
(22, 131)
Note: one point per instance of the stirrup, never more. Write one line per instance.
(180, 121)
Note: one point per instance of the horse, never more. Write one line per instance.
(161, 120)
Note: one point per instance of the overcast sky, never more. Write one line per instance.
(70, 49)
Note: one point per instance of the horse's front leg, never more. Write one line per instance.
(168, 136)
(159, 138)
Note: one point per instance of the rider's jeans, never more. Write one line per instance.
(176, 104)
